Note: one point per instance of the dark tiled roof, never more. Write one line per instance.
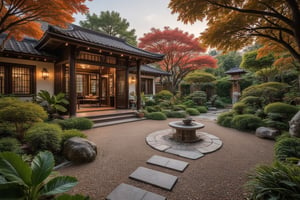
(235, 70)
(151, 70)
(102, 40)
(26, 46)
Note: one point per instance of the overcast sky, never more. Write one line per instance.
(142, 15)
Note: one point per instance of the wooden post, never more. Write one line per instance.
(72, 83)
(138, 85)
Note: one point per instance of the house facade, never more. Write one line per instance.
(88, 66)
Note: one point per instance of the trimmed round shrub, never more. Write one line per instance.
(279, 125)
(151, 109)
(150, 102)
(10, 144)
(176, 114)
(181, 106)
(224, 119)
(198, 97)
(66, 134)
(201, 109)
(192, 111)
(246, 122)
(219, 103)
(239, 108)
(163, 95)
(189, 103)
(44, 136)
(80, 123)
(287, 111)
(287, 148)
(165, 104)
(255, 102)
(156, 116)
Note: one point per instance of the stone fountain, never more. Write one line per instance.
(186, 130)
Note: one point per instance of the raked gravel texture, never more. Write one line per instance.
(122, 149)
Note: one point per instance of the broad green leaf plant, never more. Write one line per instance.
(21, 181)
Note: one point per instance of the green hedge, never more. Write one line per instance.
(201, 109)
(246, 122)
(156, 116)
(67, 134)
(239, 108)
(224, 119)
(175, 114)
(163, 95)
(285, 110)
(44, 136)
(79, 123)
(192, 111)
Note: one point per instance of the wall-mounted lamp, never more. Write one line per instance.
(45, 73)
(132, 79)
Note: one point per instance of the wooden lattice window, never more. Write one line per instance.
(17, 79)
(147, 86)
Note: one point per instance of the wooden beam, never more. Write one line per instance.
(72, 81)
(138, 85)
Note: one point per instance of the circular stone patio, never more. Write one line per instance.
(161, 141)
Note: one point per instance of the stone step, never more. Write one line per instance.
(114, 122)
(101, 119)
(129, 192)
(169, 163)
(153, 177)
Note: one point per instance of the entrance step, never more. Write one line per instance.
(169, 163)
(153, 177)
(129, 192)
(101, 120)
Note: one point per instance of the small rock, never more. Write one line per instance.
(79, 150)
(266, 132)
(295, 125)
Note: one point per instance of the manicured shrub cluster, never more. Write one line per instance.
(79, 123)
(239, 108)
(163, 95)
(246, 122)
(175, 114)
(44, 136)
(198, 97)
(201, 109)
(10, 144)
(285, 111)
(156, 116)
(192, 111)
(67, 134)
(224, 119)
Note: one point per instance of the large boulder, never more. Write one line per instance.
(79, 150)
(266, 132)
(295, 125)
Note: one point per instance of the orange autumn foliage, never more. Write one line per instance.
(20, 17)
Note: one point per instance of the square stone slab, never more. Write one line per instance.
(153, 177)
(129, 192)
(186, 154)
(169, 163)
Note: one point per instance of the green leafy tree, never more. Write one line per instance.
(19, 180)
(227, 61)
(110, 23)
(252, 63)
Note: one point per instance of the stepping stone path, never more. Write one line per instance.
(129, 192)
(168, 163)
(153, 177)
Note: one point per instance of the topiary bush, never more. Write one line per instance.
(10, 144)
(219, 103)
(156, 116)
(21, 114)
(153, 109)
(280, 181)
(192, 111)
(163, 95)
(288, 147)
(285, 110)
(246, 122)
(201, 109)
(239, 108)
(279, 125)
(150, 102)
(80, 123)
(189, 104)
(44, 136)
(66, 134)
(224, 119)
(165, 104)
(181, 106)
(198, 97)
(175, 114)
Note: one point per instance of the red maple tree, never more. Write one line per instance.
(183, 53)
(20, 17)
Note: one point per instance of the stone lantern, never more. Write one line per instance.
(235, 74)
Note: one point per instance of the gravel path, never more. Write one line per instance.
(219, 175)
